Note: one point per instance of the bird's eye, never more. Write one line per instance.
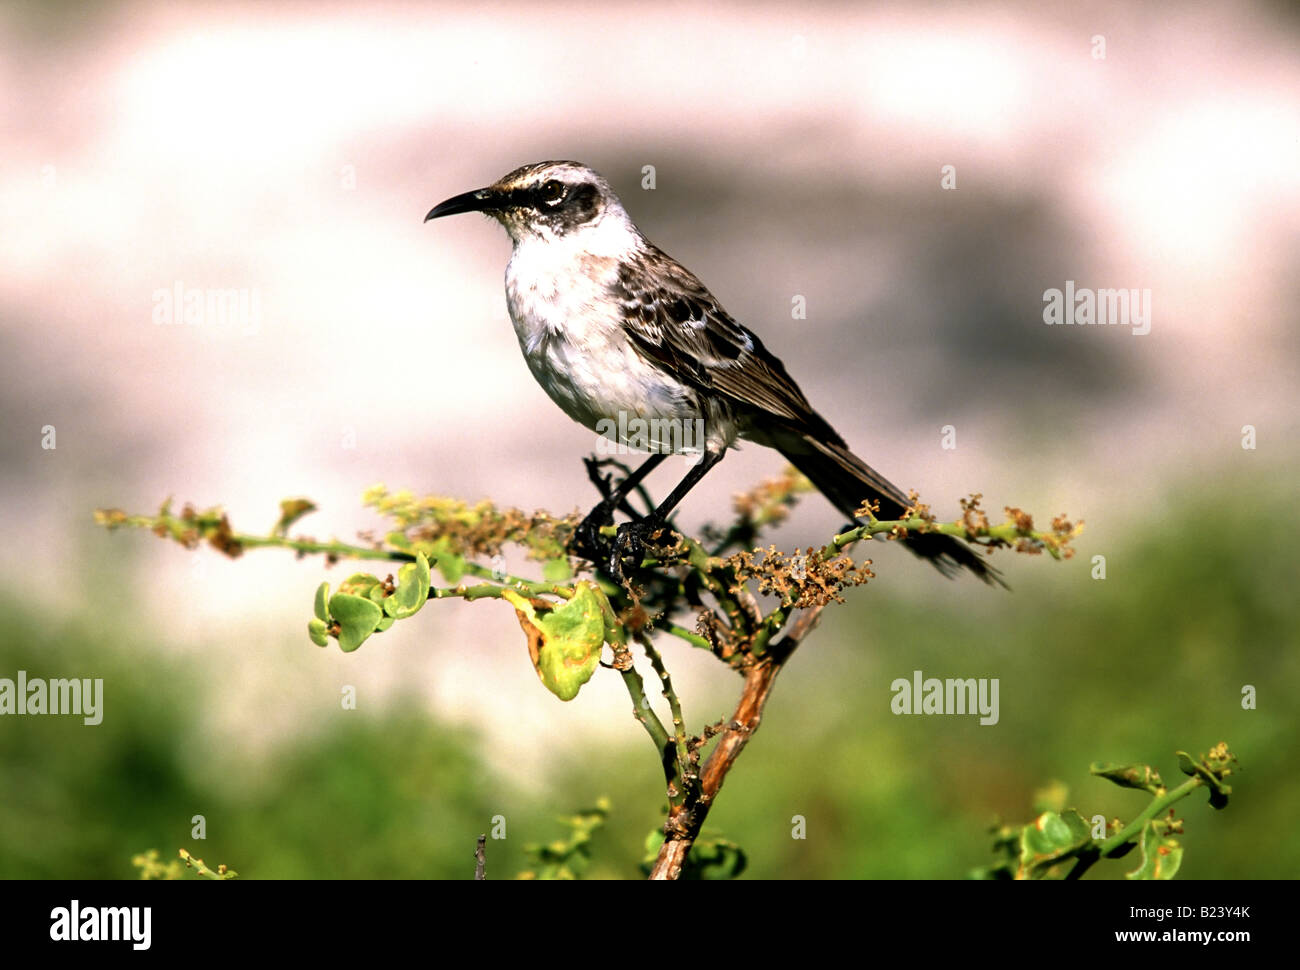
(552, 191)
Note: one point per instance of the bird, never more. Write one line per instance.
(613, 327)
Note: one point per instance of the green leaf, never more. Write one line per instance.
(715, 858)
(1210, 773)
(1161, 855)
(1139, 776)
(321, 607)
(359, 584)
(1049, 840)
(412, 590)
(564, 642)
(357, 618)
(316, 629)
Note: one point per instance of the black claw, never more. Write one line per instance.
(587, 542)
(628, 549)
(629, 546)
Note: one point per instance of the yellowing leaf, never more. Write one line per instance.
(564, 642)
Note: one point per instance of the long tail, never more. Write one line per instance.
(848, 482)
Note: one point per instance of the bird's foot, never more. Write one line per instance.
(587, 542)
(630, 544)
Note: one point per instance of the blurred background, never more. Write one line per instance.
(288, 154)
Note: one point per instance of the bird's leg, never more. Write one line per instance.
(587, 541)
(602, 482)
(630, 542)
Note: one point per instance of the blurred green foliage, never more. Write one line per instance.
(1130, 668)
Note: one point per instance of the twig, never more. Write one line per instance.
(480, 859)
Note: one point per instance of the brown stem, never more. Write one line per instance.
(685, 821)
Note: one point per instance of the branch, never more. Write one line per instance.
(682, 831)
(1060, 844)
(722, 578)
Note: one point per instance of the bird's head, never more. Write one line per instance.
(544, 200)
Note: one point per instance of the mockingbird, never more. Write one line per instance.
(612, 327)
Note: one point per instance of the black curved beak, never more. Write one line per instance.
(480, 200)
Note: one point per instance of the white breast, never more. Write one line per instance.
(571, 334)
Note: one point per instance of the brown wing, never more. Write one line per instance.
(674, 320)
